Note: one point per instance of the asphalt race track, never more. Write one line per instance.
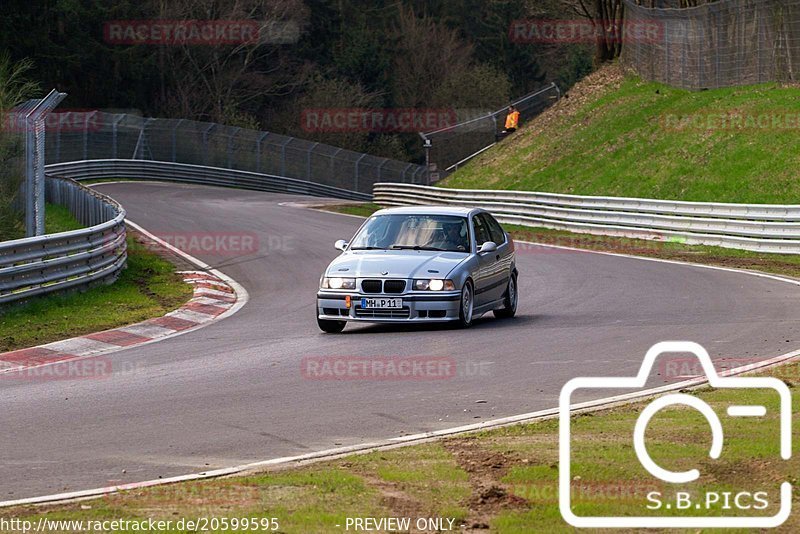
(233, 392)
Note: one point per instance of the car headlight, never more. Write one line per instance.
(435, 284)
(338, 283)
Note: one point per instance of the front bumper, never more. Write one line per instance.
(423, 307)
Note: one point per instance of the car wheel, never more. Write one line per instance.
(467, 306)
(509, 308)
(331, 327)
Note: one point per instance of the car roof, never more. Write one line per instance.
(428, 210)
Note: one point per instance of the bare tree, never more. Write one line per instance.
(427, 55)
(217, 82)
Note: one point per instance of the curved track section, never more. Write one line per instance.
(234, 392)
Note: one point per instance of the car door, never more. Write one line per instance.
(505, 251)
(488, 276)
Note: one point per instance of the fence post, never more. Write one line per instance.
(35, 130)
(355, 181)
(141, 143)
(58, 143)
(380, 167)
(258, 150)
(86, 135)
(230, 147)
(283, 156)
(309, 152)
(205, 142)
(405, 171)
(175, 141)
(114, 128)
(333, 159)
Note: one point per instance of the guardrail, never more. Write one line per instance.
(78, 258)
(196, 174)
(758, 227)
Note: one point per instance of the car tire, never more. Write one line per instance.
(331, 327)
(510, 300)
(466, 307)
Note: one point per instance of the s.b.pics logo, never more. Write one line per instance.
(715, 463)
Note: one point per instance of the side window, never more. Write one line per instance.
(482, 234)
(495, 230)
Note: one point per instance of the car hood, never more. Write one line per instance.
(395, 264)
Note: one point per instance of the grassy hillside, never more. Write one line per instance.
(617, 135)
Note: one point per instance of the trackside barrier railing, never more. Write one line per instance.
(96, 135)
(196, 174)
(757, 227)
(79, 258)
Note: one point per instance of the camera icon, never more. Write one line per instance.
(640, 448)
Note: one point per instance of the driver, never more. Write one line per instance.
(452, 239)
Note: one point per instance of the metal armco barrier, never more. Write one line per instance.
(79, 258)
(757, 227)
(196, 174)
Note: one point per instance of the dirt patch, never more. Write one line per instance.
(395, 499)
(486, 469)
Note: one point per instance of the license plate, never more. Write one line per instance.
(382, 303)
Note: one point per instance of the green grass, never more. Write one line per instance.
(59, 219)
(148, 287)
(505, 479)
(618, 143)
(362, 210)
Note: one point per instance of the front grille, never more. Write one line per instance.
(394, 286)
(372, 286)
(401, 313)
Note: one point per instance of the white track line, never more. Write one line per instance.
(594, 405)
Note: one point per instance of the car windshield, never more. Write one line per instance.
(415, 232)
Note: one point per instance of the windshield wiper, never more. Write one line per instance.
(416, 247)
(367, 248)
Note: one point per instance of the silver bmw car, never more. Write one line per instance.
(420, 264)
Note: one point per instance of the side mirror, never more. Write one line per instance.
(489, 246)
(341, 245)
